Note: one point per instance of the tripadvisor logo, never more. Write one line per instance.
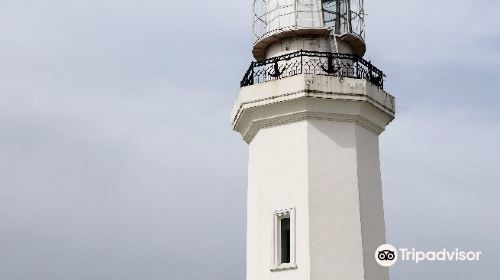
(387, 255)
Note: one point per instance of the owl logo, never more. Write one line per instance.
(386, 255)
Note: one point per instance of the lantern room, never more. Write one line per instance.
(281, 26)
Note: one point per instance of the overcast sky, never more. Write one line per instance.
(117, 160)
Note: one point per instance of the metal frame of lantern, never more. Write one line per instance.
(287, 16)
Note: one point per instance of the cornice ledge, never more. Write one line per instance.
(258, 124)
(308, 93)
(265, 101)
(350, 96)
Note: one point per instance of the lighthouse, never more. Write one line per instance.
(311, 110)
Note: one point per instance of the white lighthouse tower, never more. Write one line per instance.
(311, 109)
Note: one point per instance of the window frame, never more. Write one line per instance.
(278, 215)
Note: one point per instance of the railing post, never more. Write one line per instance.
(370, 71)
(252, 65)
(301, 62)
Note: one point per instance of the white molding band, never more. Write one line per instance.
(258, 124)
(311, 93)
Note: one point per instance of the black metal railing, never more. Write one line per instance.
(311, 62)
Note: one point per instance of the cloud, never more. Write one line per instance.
(118, 161)
(439, 168)
(423, 32)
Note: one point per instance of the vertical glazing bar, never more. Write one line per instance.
(349, 16)
(337, 17)
(322, 14)
(361, 10)
(296, 13)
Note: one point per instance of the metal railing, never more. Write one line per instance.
(311, 62)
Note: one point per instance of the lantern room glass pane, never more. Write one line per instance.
(330, 13)
(275, 16)
(336, 15)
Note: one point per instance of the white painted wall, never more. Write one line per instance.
(336, 243)
(371, 205)
(319, 44)
(314, 146)
(277, 180)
